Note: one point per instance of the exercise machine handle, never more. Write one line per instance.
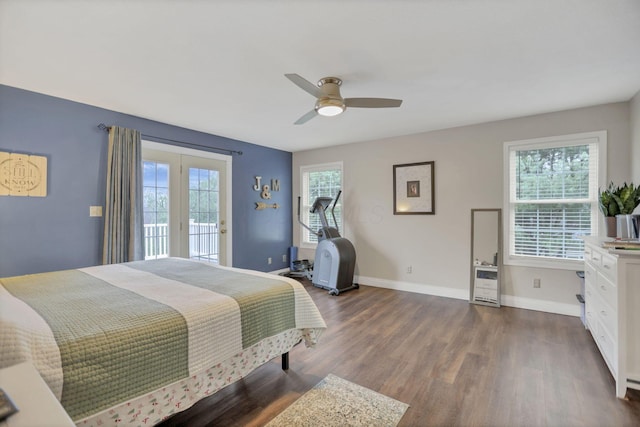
(317, 233)
(335, 201)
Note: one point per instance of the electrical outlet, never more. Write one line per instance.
(284, 258)
(409, 270)
(269, 260)
(536, 283)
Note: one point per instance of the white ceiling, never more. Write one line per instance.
(218, 66)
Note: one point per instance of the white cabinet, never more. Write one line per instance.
(485, 285)
(37, 406)
(612, 309)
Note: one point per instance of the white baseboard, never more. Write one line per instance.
(463, 294)
(439, 291)
(541, 305)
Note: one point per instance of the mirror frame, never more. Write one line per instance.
(499, 260)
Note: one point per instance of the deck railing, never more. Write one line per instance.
(203, 240)
(156, 241)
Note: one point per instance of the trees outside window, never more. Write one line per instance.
(553, 197)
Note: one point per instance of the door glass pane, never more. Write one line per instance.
(156, 209)
(203, 214)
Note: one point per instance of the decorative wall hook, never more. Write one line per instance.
(261, 205)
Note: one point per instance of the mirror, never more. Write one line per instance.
(486, 256)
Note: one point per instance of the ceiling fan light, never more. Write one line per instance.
(330, 107)
(330, 110)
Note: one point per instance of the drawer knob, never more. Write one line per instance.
(607, 266)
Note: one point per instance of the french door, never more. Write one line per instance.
(185, 204)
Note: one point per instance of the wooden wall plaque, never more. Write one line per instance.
(23, 175)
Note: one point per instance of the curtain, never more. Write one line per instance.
(123, 222)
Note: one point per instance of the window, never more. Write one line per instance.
(316, 181)
(204, 191)
(156, 209)
(552, 198)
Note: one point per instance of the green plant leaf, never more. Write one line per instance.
(615, 200)
(608, 205)
(619, 202)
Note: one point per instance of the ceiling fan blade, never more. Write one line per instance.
(304, 119)
(305, 85)
(372, 102)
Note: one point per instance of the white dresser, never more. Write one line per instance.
(612, 309)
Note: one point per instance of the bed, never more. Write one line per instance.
(133, 343)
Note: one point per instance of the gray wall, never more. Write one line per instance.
(56, 232)
(635, 140)
(468, 174)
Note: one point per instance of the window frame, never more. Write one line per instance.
(304, 190)
(156, 151)
(599, 138)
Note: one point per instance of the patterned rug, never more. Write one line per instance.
(338, 402)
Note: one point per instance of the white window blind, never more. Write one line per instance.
(319, 181)
(553, 197)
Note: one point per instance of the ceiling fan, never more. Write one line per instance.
(330, 102)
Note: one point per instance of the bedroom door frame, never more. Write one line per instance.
(174, 152)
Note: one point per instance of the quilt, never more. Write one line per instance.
(104, 335)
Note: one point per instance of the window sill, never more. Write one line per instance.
(545, 263)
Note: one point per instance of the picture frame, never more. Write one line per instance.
(414, 189)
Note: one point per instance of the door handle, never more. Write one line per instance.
(224, 230)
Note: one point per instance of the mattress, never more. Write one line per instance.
(108, 339)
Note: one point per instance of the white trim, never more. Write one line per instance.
(584, 138)
(556, 264)
(419, 288)
(321, 166)
(541, 305)
(463, 294)
(186, 151)
(150, 145)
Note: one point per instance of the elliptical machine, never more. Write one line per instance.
(335, 258)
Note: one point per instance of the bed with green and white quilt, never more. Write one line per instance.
(133, 343)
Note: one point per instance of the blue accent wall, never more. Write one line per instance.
(55, 232)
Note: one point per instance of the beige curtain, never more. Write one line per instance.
(123, 222)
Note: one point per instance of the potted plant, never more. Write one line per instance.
(618, 201)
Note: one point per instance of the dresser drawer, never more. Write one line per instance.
(609, 265)
(591, 308)
(608, 346)
(592, 323)
(607, 291)
(589, 274)
(595, 258)
(587, 253)
(608, 319)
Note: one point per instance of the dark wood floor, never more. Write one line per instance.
(456, 364)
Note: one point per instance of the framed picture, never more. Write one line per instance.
(413, 189)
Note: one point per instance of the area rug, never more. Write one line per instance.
(337, 402)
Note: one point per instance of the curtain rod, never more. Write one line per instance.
(106, 128)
